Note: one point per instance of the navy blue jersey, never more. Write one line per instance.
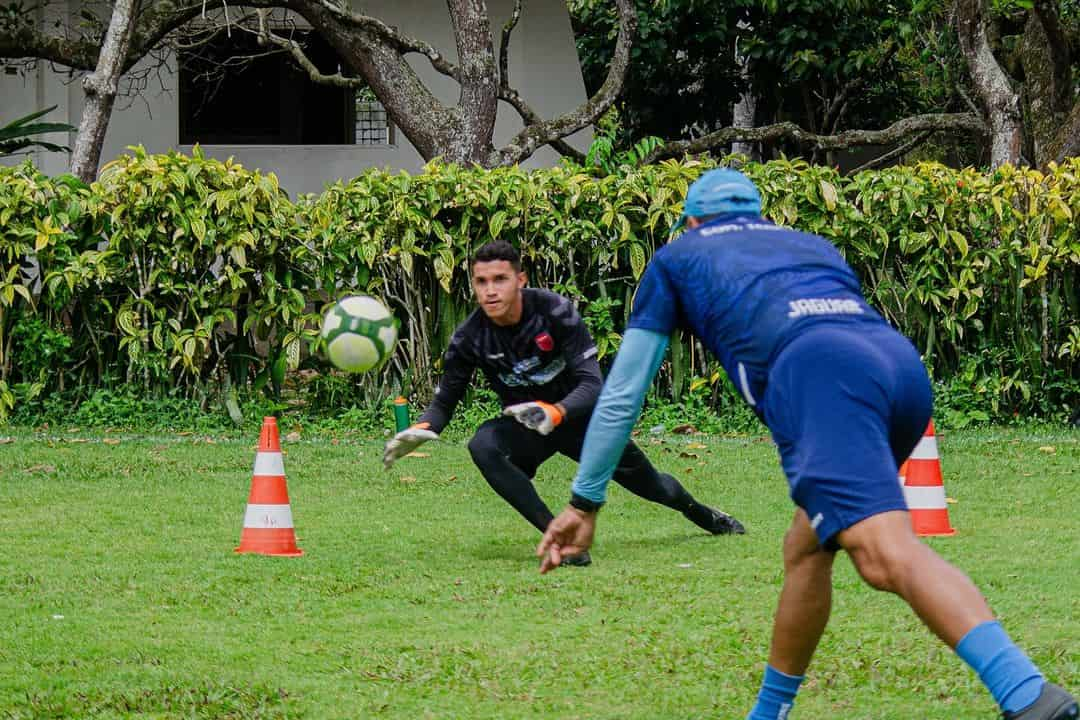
(746, 287)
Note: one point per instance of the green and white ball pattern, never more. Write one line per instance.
(359, 333)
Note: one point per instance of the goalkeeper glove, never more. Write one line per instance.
(539, 416)
(405, 442)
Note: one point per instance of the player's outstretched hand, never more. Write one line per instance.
(405, 442)
(539, 416)
(571, 533)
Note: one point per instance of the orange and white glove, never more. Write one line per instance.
(405, 442)
(539, 416)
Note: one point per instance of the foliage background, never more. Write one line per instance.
(198, 280)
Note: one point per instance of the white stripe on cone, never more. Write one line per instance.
(268, 516)
(269, 463)
(925, 498)
(926, 449)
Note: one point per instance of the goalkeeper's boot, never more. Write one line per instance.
(582, 559)
(713, 521)
(1054, 703)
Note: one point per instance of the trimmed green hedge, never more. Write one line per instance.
(183, 274)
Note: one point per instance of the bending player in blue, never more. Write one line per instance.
(846, 398)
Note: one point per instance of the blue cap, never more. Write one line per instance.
(718, 192)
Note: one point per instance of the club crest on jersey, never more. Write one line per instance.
(545, 342)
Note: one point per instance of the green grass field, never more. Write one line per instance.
(419, 597)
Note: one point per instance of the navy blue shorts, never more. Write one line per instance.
(846, 405)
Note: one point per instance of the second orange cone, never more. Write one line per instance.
(924, 489)
(268, 523)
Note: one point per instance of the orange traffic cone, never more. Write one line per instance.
(924, 490)
(268, 524)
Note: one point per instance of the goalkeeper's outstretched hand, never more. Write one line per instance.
(405, 442)
(539, 416)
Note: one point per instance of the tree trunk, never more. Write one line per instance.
(101, 87)
(745, 110)
(1000, 101)
(1067, 142)
(478, 102)
(1045, 58)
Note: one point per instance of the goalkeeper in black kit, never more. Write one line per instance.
(538, 356)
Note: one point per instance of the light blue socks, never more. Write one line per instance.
(1007, 672)
(776, 696)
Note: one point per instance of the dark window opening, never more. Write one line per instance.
(235, 92)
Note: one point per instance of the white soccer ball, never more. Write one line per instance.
(360, 333)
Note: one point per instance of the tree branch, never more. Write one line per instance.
(835, 109)
(154, 22)
(946, 122)
(504, 46)
(375, 52)
(391, 35)
(27, 42)
(530, 117)
(373, 49)
(513, 97)
(533, 136)
(893, 154)
(301, 58)
(967, 98)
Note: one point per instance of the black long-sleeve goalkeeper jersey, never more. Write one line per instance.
(547, 356)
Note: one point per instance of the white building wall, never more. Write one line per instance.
(543, 67)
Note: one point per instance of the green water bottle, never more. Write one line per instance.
(401, 414)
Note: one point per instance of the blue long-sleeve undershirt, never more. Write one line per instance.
(620, 402)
